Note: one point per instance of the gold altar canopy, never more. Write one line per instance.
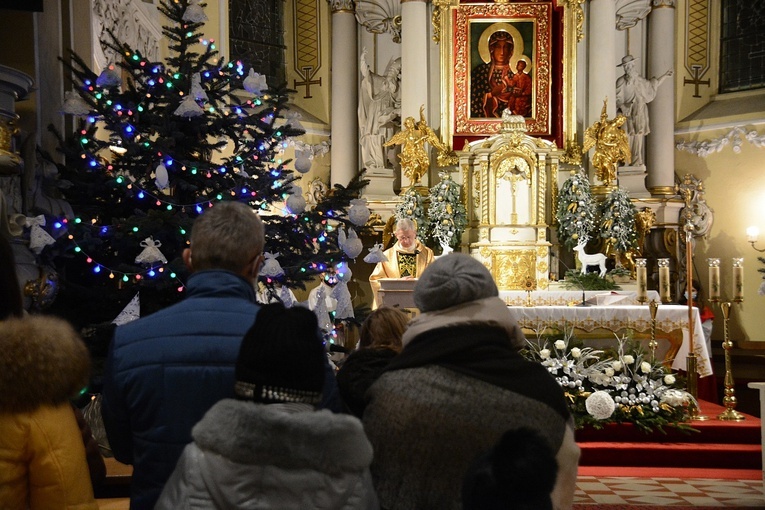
(506, 180)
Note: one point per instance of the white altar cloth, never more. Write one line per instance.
(567, 297)
(670, 319)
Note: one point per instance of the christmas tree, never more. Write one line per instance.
(617, 221)
(160, 142)
(412, 206)
(575, 211)
(446, 212)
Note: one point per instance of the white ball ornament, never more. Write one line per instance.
(302, 162)
(296, 204)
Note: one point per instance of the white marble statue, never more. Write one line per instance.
(379, 107)
(633, 93)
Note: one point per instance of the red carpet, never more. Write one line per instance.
(656, 507)
(719, 449)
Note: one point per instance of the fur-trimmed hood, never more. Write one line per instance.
(250, 433)
(43, 361)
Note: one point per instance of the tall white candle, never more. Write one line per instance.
(738, 279)
(664, 284)
(714, 279)
(642, 277)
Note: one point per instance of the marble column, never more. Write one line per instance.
(414, 63)
(660, 142)
(344, 155)
(601, 70)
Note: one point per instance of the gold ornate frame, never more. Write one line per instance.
(558, 28)
(535, 21)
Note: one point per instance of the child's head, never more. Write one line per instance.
(383, 329)
(521, 65)
(282, 357)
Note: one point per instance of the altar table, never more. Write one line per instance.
(671, 324)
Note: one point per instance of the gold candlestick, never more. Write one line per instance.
(653, 307)
(729, 401)
(686, 189)
(691, 361)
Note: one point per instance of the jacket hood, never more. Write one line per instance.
(43, 361)
(250, 433)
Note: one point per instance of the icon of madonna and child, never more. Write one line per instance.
(501, 79)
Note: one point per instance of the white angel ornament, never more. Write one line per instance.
(271, 267)
(351, 245)
(150, 254)
(255, 83)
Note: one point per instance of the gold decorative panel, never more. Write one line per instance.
(511, 268)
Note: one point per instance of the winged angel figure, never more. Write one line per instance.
(414, 158)
(611, 145)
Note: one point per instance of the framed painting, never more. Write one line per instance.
(502, 60)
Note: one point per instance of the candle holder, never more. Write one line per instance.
(653, 307)
(641, 270)
(729, 401)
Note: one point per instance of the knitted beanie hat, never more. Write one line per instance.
(451, 280)
(281, 358)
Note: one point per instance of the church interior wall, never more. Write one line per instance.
(734, 185)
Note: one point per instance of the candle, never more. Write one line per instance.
(664, 287)
(714, 279)
(641, 273)
(738, 280)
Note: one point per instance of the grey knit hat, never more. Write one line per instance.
(452, 280)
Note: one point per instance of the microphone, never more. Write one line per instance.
(416, 252)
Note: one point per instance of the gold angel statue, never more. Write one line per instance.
(414, 158)
(611, 145)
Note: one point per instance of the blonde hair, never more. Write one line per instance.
(227, 236)
(383, 329)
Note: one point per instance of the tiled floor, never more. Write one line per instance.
(624, 490)
(670, 492)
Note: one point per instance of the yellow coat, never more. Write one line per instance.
(389, 269)
(42, 454)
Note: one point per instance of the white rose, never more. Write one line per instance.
(610, 372)
(628, 359)
(645, 367)
(560, 345)
(669, 379)
(544, 353)
(616, 365)
(576, 352)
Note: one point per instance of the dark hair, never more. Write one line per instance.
(11, 302)
(282, 357)
(696, 285)
(519, 473)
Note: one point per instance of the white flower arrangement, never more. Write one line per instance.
(621, 387)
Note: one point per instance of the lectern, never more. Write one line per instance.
(397, 292)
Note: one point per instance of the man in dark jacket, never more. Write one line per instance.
(164, 371)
